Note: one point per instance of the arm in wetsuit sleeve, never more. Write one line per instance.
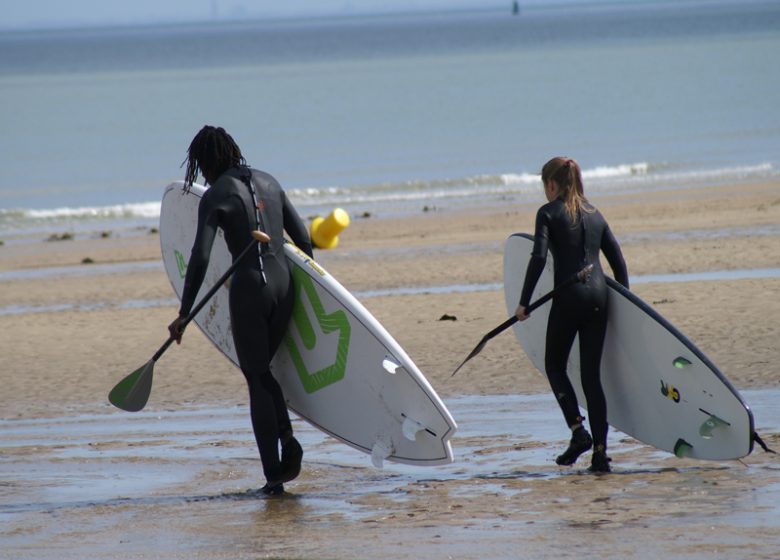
(611, 250)
(295, 227)
(199, 257)
(538, 258)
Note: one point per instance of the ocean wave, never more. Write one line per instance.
(626, 170)
(39, 220)
(628, 177)
(140, 210)
(671, 177)
(503, 183)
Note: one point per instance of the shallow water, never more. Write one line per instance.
(70, 480)
(739, 274)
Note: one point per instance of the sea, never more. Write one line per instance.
(391, 114)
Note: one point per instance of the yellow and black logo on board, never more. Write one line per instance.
(670, 392)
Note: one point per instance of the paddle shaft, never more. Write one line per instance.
(580, 276)
(217, 285)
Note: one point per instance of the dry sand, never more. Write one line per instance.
(61, 363)
(734, 322)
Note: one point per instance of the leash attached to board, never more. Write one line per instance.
(763, 445)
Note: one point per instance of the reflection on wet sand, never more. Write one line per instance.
(184, 484)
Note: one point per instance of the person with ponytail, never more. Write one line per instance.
(575, 232)
(239, 200)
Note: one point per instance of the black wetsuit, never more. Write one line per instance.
(580, 309)
(261, 301)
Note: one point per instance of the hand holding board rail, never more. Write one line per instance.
(340, 370)
(660, 388)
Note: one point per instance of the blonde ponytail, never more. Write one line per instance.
(565, 172)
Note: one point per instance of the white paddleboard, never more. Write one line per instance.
(338, 367)
(660, 388)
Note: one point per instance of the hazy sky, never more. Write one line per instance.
(42, 14)
(18, 14)
(25, 14)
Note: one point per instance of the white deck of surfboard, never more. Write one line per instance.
(355, 383)
(660, 388)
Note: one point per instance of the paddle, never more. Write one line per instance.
(581, 276)
(133, 391)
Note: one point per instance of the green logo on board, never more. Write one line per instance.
(328, 323)
(181, 263)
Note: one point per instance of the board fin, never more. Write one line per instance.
(710, 425)
(390, 364)
(681, 363)
(411, 428)
(381, 451)
(682, 448)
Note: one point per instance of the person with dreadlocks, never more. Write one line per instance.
(575, 232)
(239, 200)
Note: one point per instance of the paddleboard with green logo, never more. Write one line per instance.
(660, 388)
(338, 366)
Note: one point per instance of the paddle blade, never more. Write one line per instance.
(473, 353)
(132, 393)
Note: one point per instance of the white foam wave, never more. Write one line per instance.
(520, 179)
(139, 210)
(601, 172)
(78, 219)
(459, 187)
(733, 173)
(628, 177)
(663, 177)
(627, 170)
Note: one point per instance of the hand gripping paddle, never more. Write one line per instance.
(133, 391)
(581, 276)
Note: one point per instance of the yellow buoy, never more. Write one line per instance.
(325, 231)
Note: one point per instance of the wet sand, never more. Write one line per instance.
(79, 479)
(182, 484)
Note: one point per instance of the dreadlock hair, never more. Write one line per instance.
(212, 150)
(565, 172)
